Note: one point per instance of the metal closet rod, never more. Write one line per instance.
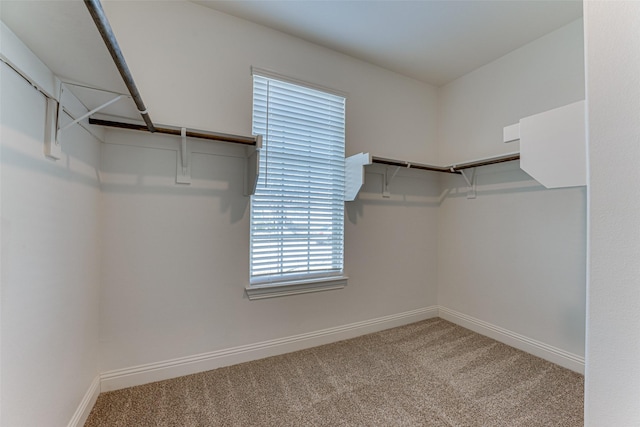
(447, 169)
(211, 136)
(492, 161)
(101, 21)
(403, 164)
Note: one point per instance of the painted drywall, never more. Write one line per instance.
(196, 73)
(515, 255)
(612, 380)
(50, 263)
(176, 257)
(544, 74)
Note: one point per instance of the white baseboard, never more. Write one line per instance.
(521, 342)
(158, 371)
(84, 409)
(143, 374)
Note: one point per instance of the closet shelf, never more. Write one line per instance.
(169, 130)
(409, 165)
(485, 162)
(454, 168)
(553, 145)
(552, 151)
(355, 170)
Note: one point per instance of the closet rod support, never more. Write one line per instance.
(471, 182)
(95, 110)
(388, 180)
(183, 160)
(183, 148)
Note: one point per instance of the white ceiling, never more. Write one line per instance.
(433, 41)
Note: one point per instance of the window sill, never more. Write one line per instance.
(281, 289)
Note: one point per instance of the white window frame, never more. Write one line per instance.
(290, 284)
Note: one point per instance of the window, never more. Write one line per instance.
(297, 211)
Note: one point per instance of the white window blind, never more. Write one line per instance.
(297, 211)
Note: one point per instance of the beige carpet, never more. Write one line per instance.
(430, 373)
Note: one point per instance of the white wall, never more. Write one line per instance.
(50, 264)
(544, 74)
(514, 256)
(612, 381)
(193, 69)
(176, 257)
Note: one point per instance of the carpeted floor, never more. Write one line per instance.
(430, 373)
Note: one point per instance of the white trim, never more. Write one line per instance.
(537, 348)
(158, 371)
(295, 287)
(86, 405)
(142, 374)
(277, 76)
